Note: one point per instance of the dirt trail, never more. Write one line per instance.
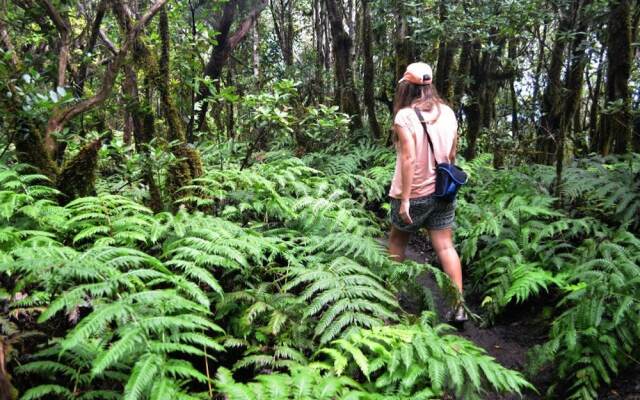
(509, 340)
(507, 343)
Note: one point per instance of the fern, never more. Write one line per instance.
(301, 383)
(406, 360)
(108, 220)
(596, 330)
(75, 366)
(342, 294)
(141, 314)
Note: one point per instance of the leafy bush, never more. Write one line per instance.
(518, 242)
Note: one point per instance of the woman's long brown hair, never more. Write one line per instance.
(424, 97)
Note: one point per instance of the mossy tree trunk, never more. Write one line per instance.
(369, 71)
(552, 96)
(616, 125)
(595, 104)
(35, 143)
(461, 72)
(572, 93)
(475, 108)
(446, 52)
(403, 48)
(188, 164)
(345, 93)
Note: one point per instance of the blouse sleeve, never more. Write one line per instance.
(401, 119)
(455, 122)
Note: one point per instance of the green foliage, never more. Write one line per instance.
(509, 230)
(607, 188)
(518, 244)
(421, 361)
(301, 383)
(108, 220)
(72, 367)
(292, 270)
(26, 200)
(272, 255)
(596, 331)
(141, 313)
(322, 126)
(342, 294)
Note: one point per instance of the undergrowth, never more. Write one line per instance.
(269, 282)
(259, 269)
(579, 250)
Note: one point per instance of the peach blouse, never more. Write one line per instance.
(443, 134)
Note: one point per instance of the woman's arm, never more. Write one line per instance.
(454, 127)
(454, 150)
(407, 160)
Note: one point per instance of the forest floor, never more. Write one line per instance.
(509, 339)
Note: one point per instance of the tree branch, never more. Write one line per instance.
(64, 29)
(6, 41)
(107, 42)
(221, 52)
(60, 118)
(95, 33)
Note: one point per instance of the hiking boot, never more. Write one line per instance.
(457, 315)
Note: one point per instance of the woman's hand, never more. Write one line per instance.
(404, 212)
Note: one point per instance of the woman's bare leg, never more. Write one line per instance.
(442, 242)
(398, 241)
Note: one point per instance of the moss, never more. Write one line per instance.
(30, 149)
(78, 176)
(187, 167)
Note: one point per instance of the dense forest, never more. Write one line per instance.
(194, 200)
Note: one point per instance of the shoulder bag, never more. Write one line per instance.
(449, 177)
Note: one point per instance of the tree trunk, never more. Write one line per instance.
(402, 43)
(317, 84)
(93, 38)
(475, 109)
(369, 70)
(255, 36)
(635, 27)
(345, 87)
(594, 139)
(282, 13)
(77, 177)
(616, 125)
(536, 103)
(515, 123)
(552, 96)
(571, 95)
(461, 74)
(194, 59)
(226, 42)
(446, 52)
(188, 164)
(143, 132)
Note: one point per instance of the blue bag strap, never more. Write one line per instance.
(426, 132)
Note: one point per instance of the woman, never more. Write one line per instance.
(412, 206)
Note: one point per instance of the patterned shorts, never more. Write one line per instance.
(426, 212)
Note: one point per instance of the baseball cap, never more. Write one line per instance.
(418, 73)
